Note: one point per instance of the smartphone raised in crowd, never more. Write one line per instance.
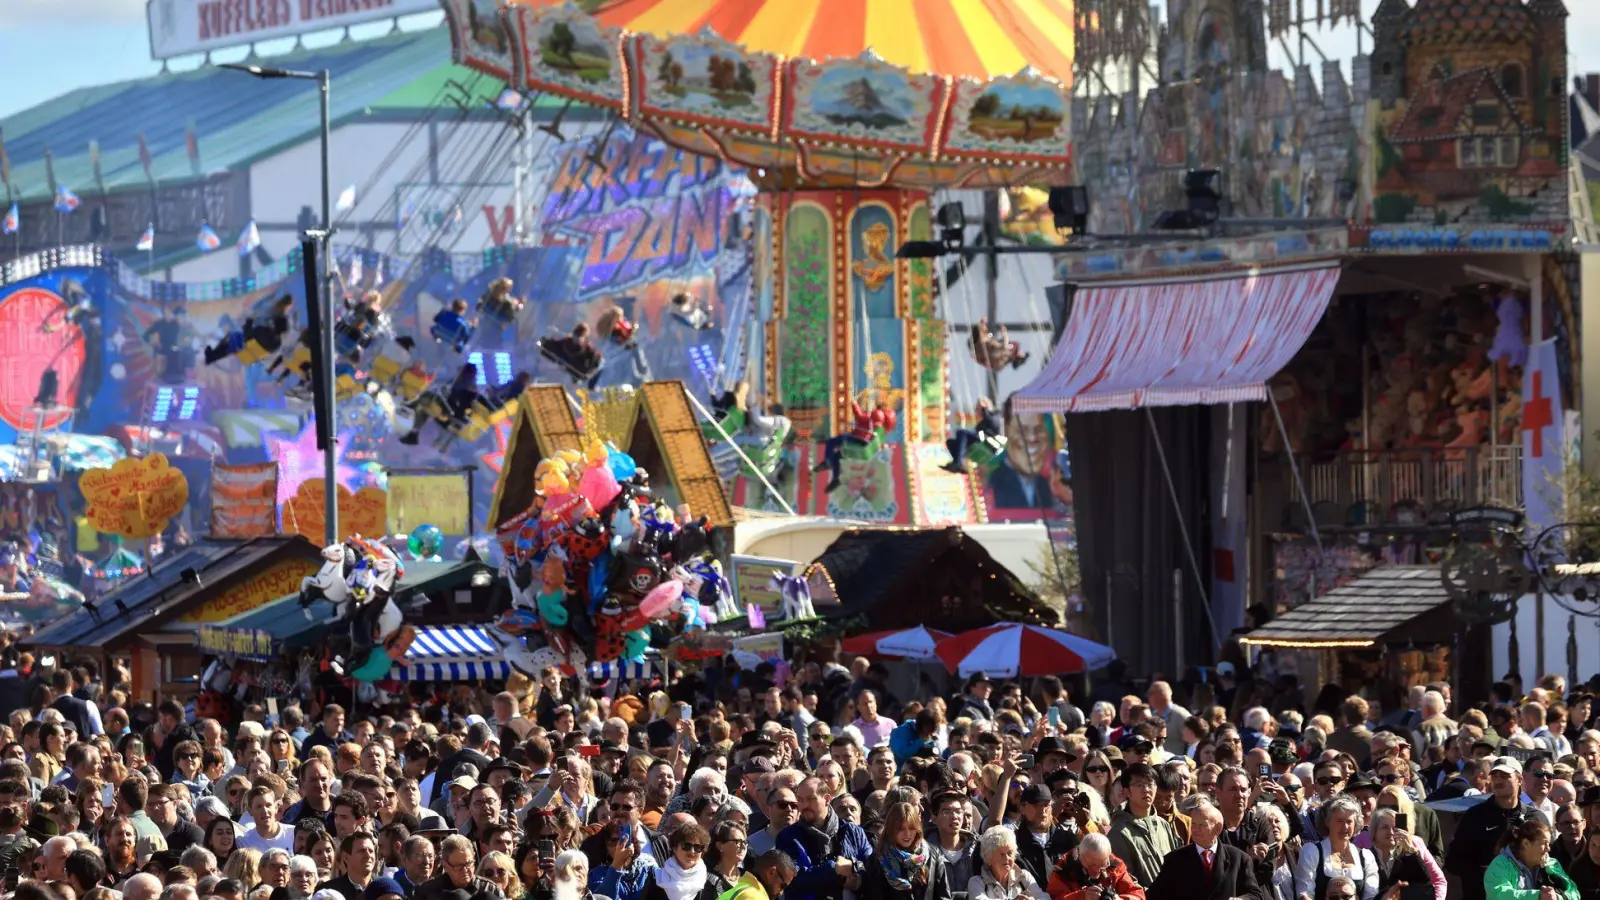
(588, 749)
(1266, 770)
(547, 849)
(1054, 716)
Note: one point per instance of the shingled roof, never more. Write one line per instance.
(1360, 613)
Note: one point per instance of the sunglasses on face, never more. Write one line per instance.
(496, 873)
(786, 804)
(692, 848)
(1329, 781)
(1096, 770)
(737, 842)
(1391, 778)
(622, 807)
(188, 756)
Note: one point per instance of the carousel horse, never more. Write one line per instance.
(330, 583)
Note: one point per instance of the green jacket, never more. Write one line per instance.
(1142, 843)
(1503, 880)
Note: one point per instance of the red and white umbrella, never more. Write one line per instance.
(909, 643)
(1010, 650)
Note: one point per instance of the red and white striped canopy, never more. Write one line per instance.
(909, 643)
(1010, 650)
(1179, 342)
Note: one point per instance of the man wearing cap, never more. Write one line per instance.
(384, 889)
(1162, 707)
(1032, 827)
(975, 704)
(1049, 755)
(1478, 831)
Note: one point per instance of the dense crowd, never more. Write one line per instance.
(823, 787)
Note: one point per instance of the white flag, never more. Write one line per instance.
(347, 199)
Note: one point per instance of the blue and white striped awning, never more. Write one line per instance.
(452, 653)
(622, 668)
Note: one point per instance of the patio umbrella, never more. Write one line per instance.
(910, 643)
(1010, 650)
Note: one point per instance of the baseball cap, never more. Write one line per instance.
(1281, 751)
(758, 765)
(1035, 793)
(1136, 744)
(1507, 765)
(465, 782)
(1225, 668)
(475, 719)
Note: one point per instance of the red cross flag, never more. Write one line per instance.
(1542, 449)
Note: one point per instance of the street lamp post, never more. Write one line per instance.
(324, 278)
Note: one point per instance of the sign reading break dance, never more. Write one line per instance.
(646, 211)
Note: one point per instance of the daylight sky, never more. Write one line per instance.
(53, 46)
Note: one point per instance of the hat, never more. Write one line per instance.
(1225, 668)
(1114, 754)
(465, 782)
(1052, 744)
(1133, 743)
(1364, 780)
(501, 764)
(753, 739)
(1591, 795)
(327, 894)
(977, 678)
(382, 887)
(1507, 765)
(612, 747)
(1035, 793)
(757, 765)
(1281, 751)
(41, 827)
(475, 719)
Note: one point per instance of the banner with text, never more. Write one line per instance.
(439, 500)
(244, 501)
(181, 27)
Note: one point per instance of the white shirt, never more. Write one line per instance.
(252, 840)
(1364, 873)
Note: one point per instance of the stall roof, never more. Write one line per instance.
(1357, 614)
(284, 619)
(956, 583)
(163, 593)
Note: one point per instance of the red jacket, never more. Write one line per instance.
(1068, 880)
(869, 422)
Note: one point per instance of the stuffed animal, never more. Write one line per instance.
(553, 592)
(796, 594)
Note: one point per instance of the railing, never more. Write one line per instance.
(1408, 486)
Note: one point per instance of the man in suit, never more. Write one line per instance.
(1206, 869)
(478, 736)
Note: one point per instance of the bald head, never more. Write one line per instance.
(1205, 825)
(142, 886)
(675, 821)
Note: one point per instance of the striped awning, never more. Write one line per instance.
(452, 653)
(1179, 342)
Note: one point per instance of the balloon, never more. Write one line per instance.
(599, 486)
(621, 464)
(658, 603)
(425, 541)
(375, 666)
(635, 643)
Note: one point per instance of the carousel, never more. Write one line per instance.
(849, 122)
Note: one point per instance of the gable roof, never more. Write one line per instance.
(237, 119)
(1446, 100)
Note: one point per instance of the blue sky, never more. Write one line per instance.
(53, 46)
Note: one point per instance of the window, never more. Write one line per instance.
(1511, 79)
(1508, 151)
(1486, 114)
(1467, 153)
(1386, 68)
(1429, 118)
(1557, 89)
(1487, 157)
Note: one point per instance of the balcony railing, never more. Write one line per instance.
(1409, 486)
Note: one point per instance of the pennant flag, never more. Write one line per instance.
(347, 199)
(249, 239)
(5, 162)
(147, 241)
(1542, 455)
(191, 141)
(145, 159)
(13, 222)
(208, 240)
(66, 200)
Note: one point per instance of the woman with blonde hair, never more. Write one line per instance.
(1098, 774)
(499, 869)
(1403, 858)
(244, 864)
(280, 747)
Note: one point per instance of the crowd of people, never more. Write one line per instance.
(823, 787)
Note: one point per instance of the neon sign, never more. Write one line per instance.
(648, 212)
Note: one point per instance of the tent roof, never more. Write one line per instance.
(953, 580)
(941, 37)
(1359, 613)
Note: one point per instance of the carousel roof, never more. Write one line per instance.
(939, 37)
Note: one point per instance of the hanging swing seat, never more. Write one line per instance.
(484, 418)
(766, 455)
(413, 383)
(251, 353)
(502, 311)
(853, 450)
(564, 352)
(732, 422)
(987, 451)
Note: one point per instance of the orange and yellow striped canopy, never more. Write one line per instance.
(976, 38)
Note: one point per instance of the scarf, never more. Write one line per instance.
(827, 830)
(905, 869)
(680, 883)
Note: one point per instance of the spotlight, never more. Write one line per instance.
(482, 578)
(1070, 206)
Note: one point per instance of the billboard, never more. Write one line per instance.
(181, 27)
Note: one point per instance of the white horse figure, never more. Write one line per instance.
(329, 583)
(796, 593)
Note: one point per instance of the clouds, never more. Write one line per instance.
(22, 13)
